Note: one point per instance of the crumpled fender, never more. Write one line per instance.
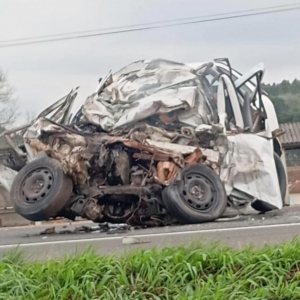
(7, 176)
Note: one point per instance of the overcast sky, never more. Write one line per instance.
(42, 73)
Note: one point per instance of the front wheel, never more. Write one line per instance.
(41, 189)
(199, 197)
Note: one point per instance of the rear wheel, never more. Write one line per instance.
(199, 197)
(41, 189)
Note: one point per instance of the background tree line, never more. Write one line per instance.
(8, 109)
(286, 99)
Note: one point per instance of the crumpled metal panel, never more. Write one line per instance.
(244, 162)
(67, 147)
(147, 88)
(7, 177)
(249, 168)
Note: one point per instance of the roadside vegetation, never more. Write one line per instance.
(286, 99)
(194, 272)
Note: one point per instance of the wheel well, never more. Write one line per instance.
(277, 147)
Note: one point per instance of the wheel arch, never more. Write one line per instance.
(277, 146)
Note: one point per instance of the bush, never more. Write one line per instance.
(194, 272)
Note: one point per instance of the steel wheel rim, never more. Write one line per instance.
(37, 185)
(198, 192)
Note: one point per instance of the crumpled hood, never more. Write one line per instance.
(146, 88)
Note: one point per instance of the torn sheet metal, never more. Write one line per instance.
(144, 89)
(249, 168)
(7, 177)
(195, 157)
(67, 147)
(166, 172)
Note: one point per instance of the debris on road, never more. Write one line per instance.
(99, 228)
(50, 230)
(130, 240)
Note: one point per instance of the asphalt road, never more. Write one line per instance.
(274, 228)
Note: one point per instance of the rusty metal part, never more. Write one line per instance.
(73, 161)
(93, 211)
(119, 190)
(146, 156)
(166, 172)
(176, 157)
(65, 146)
(195, 157)
(37, 146)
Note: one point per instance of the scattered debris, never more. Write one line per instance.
(130, 240)
(47, 231)
(238, 217)
(108, 228)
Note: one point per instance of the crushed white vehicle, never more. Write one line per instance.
(159, 142)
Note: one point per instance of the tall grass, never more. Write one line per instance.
(194, 272)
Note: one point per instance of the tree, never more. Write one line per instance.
(285, 87)
(295, 89)
(7, 102)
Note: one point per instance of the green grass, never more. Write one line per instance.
(194, 272)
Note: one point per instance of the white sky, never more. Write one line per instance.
(42, 73)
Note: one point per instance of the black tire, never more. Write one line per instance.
(282, 181)
(41, 189)
(207, 203)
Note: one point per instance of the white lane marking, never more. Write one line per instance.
(35, 244)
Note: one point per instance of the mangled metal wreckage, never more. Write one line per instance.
(158, 142)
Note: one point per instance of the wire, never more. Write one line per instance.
(148, 28)
(148, 23)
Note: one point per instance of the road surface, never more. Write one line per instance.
(274, 228)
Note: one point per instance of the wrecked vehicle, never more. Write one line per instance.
(159, 142)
